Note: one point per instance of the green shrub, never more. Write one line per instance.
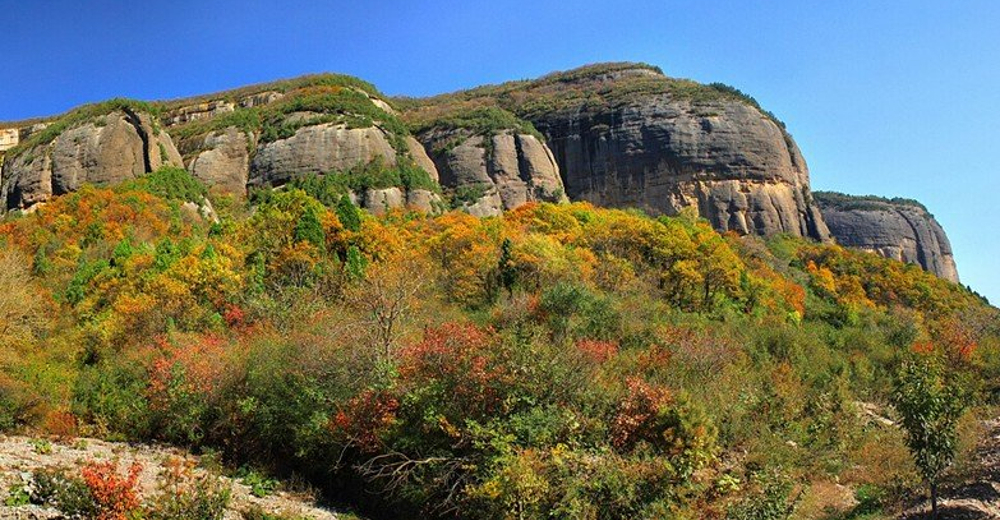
(17, 495)
(771, 500)
(348, 214)
(185, 494)
(309, 229)
(260, 486)
(69, 494)
(171, 183)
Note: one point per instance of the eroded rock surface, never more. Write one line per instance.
(319, 149)
(899, 229)
(501, 172)
(109, 149)
(224, 163)
(660, 153)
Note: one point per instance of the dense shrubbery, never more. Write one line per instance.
(376, 175)
(560, 361)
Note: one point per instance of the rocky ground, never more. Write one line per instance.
(979, 496)
(20, 456)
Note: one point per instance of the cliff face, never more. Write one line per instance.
(260, 136)
(900, 229)
(109, 148)
(618, 134)
(493, 173)
(625, 135)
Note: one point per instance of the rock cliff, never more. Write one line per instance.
(625, 135)
(490, 172)
(894, 228)
(101, 149)
(617, 134)
(273, 134)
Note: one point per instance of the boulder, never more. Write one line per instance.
(424, 201)
(381, 201)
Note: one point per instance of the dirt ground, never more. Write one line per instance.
(20, 456)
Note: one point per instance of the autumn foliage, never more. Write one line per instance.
(114, 494)
(559, 361)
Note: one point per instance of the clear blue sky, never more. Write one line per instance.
(895, 98)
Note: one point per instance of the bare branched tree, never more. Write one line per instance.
(385, 297)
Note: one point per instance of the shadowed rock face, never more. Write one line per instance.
(625, 135)
(734, 164)
(112, 148)
(897, 229)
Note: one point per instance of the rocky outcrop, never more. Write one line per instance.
(665, 152)
(224, 162)
(420, 157)
(625, 135)
(895, 228)
(319, 149)
(490, 174)
(111, 148)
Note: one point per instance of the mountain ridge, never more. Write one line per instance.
(618, 134)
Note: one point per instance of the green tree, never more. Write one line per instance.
(348, 214)
(309, 229)
(930, 406)
(506, 271)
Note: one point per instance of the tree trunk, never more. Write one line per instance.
(934, 508)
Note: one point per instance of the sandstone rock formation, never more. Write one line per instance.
(319, 149)
(224, 162)
(111, 148)
(625, 135)
(733, 164)
(495, 173)
(620, 134)
(900, 229)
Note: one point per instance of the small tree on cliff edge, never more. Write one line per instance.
(930, 406)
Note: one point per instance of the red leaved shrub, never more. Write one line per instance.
(115, 496)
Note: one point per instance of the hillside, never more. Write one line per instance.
(554, 361)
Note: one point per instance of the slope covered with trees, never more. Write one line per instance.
(558, 361)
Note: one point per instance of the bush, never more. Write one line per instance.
(172, 183)
(183, 493)
(771, 499)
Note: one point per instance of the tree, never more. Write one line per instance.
(20, 304)
(386, 294)
(506, 271)
(930, 406)
(309, 229)
(348, 214)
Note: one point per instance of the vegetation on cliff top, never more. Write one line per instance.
(591, 89)
(847, 202)
(82, 115)
(561, 361)
(305, 106)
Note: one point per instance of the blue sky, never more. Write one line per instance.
(894, 98)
